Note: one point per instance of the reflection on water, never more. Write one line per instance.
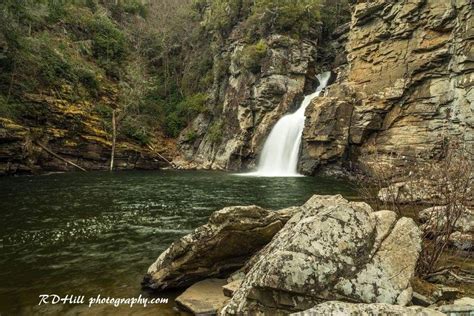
(97, 233)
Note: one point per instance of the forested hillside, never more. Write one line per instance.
(67, 66)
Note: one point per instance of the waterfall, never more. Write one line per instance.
(279, 157)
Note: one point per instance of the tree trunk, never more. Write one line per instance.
(114, 137)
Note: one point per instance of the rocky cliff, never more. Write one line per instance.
(249, 102)
(407, 87)
(73, 132)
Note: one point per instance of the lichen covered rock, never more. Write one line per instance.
(331, 249)
(343, 308)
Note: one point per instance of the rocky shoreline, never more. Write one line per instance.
(324, 257)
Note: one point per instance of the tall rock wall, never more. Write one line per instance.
(406, 88)
(249, 103)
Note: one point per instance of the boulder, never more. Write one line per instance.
(216, 249)
(204, 297)
(465, 301)
(462, 306)
(331, 249)
(342, 308)
(436, 217)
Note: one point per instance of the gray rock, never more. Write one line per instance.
(204, 297)
(465, 301)
(421, 300)
(331, 249)
(231, 287)
(409, 192)
(436, 216)
(216, 249)
(386, 277)
(247, 104)
(457, 310)
(461, 307)
(336, 308)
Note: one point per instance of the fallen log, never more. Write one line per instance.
(153, 150)
(49, 151)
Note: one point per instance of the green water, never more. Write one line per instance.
(97, 233)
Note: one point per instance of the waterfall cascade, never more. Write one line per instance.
(280, 154)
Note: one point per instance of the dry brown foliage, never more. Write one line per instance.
(445, 183)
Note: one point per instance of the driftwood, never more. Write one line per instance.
(153, 150)
(59, 157)
(452, 272)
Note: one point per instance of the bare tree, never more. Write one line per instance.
(444, 184)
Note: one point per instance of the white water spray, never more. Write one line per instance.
(280, 153)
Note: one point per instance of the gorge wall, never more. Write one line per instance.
(404, 86)
(250, 102)
(407, 87)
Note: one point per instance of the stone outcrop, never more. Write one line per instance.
(248, 103)
(343, 308)
(216, 249)
(331, 249)
(406, 87)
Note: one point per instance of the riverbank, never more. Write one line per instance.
(312, 257)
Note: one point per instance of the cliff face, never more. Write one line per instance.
(407, 86)
(72, 131)
(249, 103)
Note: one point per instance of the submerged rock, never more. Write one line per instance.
(342, 308)
(331, 249)
(216, 249)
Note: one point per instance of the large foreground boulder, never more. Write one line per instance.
(342, 308)
(331, 249)
(216, 249)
